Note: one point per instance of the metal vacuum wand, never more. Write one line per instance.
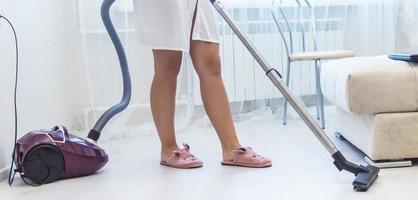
(365, 175)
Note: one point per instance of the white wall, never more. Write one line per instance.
(42, 99)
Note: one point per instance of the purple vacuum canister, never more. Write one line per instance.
(50, 154)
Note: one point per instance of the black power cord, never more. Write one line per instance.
(13, 172)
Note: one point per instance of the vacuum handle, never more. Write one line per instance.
(127, 87)
(275, 77)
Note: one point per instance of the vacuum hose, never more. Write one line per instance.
(94, 133)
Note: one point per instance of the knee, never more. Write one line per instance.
(168, 72)
(167, 65)
(209, 66)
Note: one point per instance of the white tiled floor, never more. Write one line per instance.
(302, 170)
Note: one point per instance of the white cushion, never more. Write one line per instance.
(368, 85)
(321, 55)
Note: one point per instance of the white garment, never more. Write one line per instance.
(166, 24)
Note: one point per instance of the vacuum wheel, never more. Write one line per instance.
(43, 164)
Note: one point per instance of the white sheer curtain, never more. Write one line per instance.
(367, 27)
(407, 29)
(371, 26)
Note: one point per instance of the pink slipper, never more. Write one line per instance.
(246, 157)
(182, 159)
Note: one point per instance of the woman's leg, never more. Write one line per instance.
(163, 93)
(206, 60)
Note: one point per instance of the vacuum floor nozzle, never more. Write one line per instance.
(363, 180)
(365, 175)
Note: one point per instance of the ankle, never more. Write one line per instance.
(227, 151)
(231, 146)
(167, 151)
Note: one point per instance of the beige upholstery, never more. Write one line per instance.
(321, 55)
(377, 105)
(368, 85)
(387, 136)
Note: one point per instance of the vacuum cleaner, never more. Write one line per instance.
(47, 155)
(364, 175)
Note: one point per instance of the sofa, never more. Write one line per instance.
(376, 102)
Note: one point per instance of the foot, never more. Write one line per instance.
(247, 157)
(182, 159)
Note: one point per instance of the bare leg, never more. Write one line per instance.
(163, 92)
(206, 59)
